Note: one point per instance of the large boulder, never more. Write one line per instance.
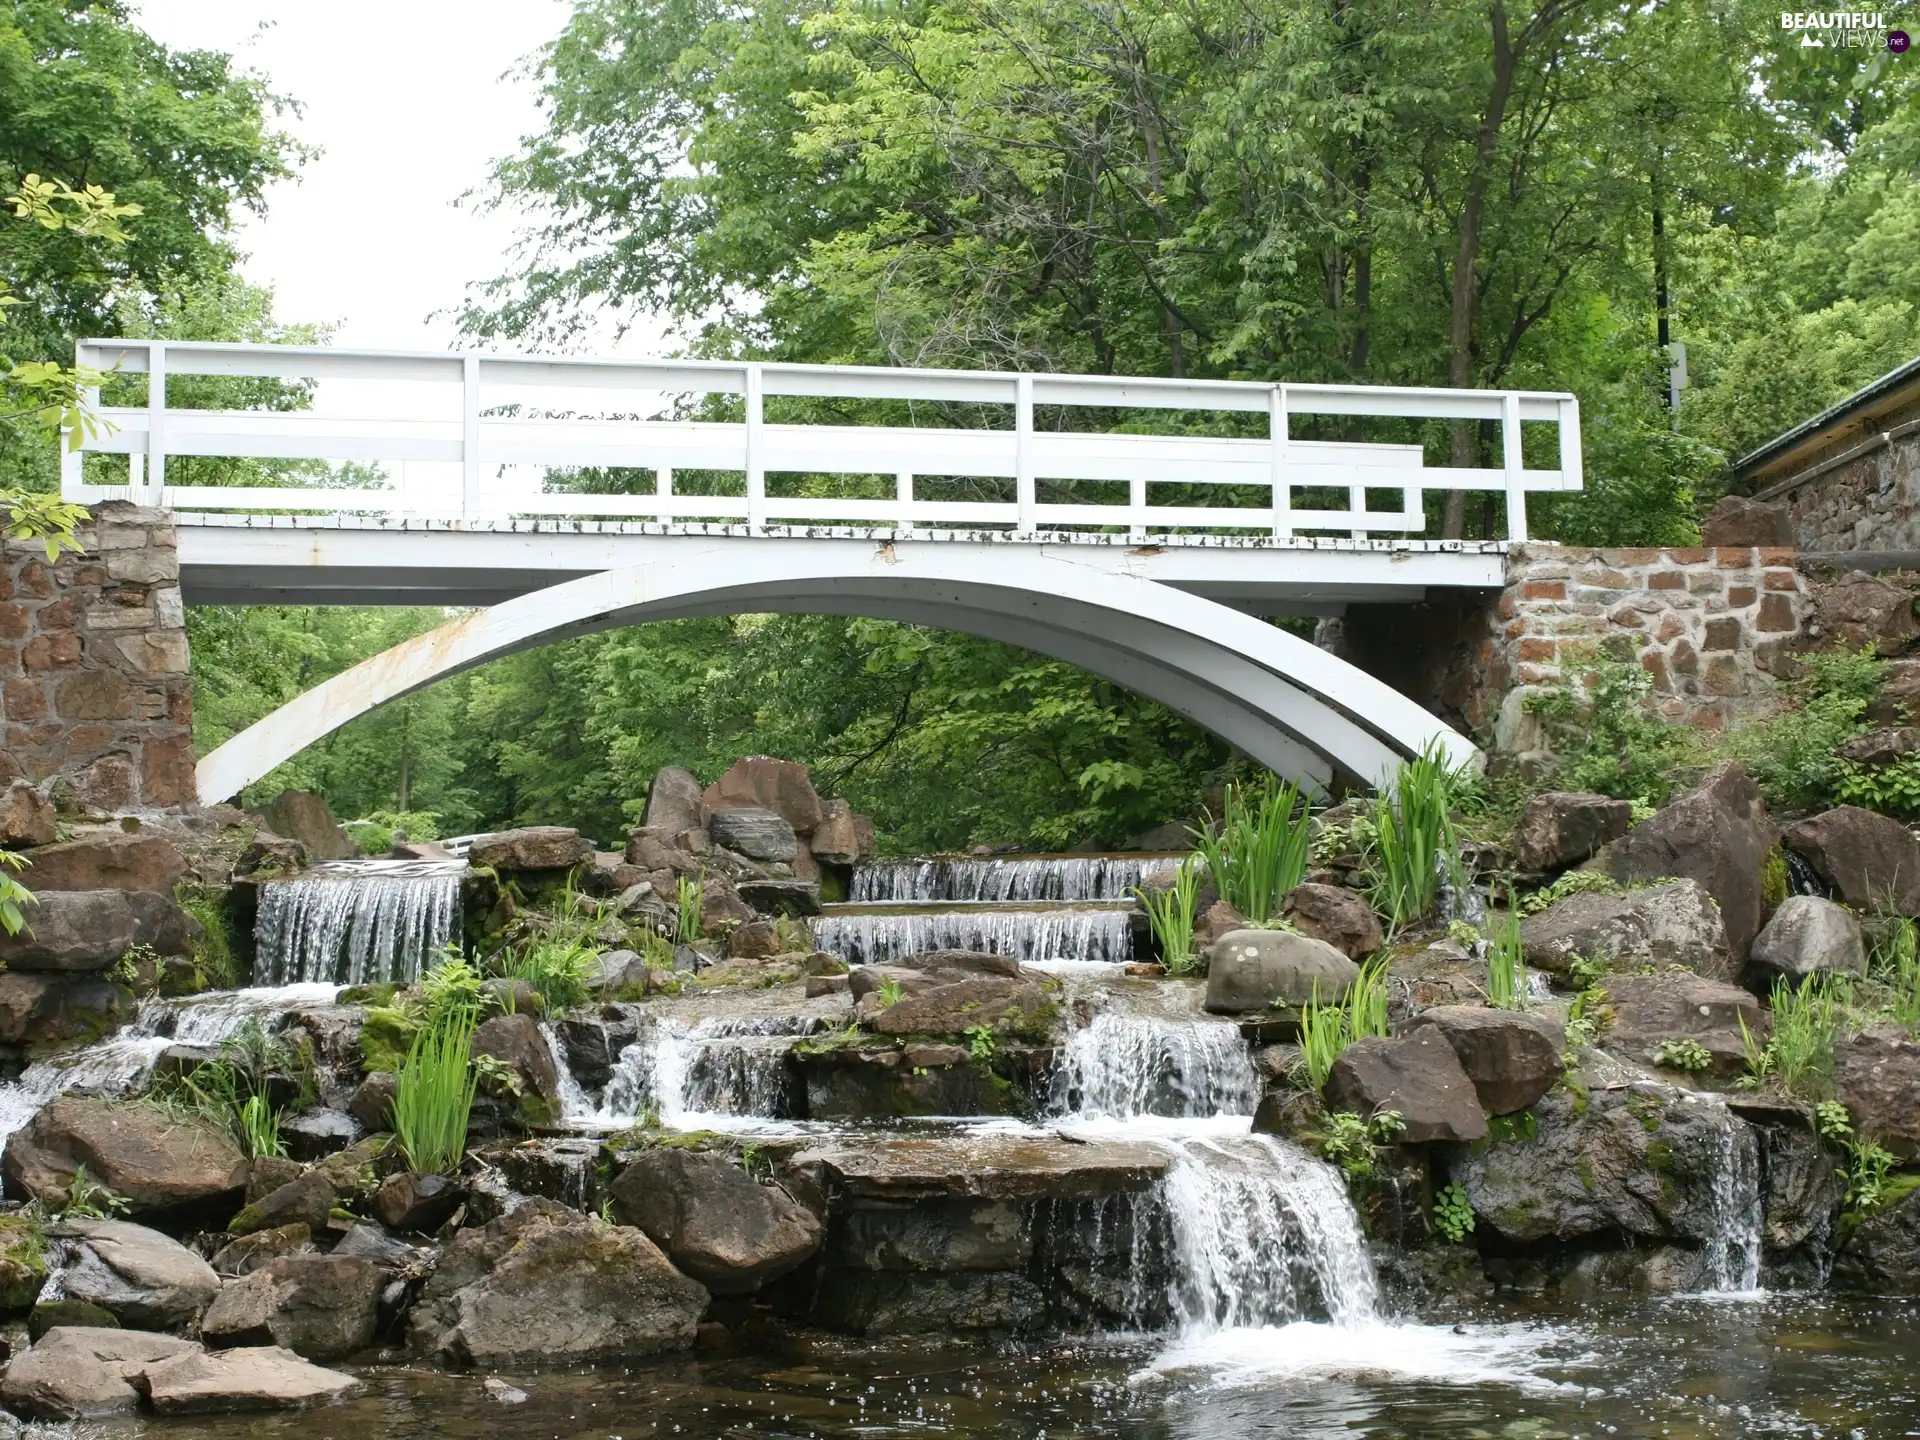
(1336, 915)
(144, 1279)
(1882, 1252)
(50, 1010)
(71, 930)
(268, 1378)
(1563, 827)
(762, 782)
(1659, 925)
(545, 1284)
(26, 816)
(518, 1042)
(1513, 1057)
(1417, 1074)
(83, 1373)
(1645, 1161)
(303, 817)
(1645, 1012)
(1259, 969)
(755, 832)
(534, 847)
(841, 837)
(1865, 857)
(108, 862)
(715, 1221)
(325, 1307)
(1811, 936)
(673, 801)
(1717, 834)
(159, 1163)
(1877, 1077)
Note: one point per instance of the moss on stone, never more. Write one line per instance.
(385, 1038)
(23, 1263)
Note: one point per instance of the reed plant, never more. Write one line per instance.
(690, 893)
(1170, 916)
(1328, 1028)
(1414, 840)
(1506, 961)
(1806, 1027)
(433, 1093)
(1895, 960)
(1259, 848)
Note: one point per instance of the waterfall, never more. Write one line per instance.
(356, 922)
(1121, 1065)
(1732, 1252)
(713, 1067)
(1011, 877)
(1028, 935)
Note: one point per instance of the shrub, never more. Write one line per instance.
(452, 985)
(1688, 1055)
(1414, 841)
(1607, 738)
(1351, 1142)
(433, 1094)
(556, 967)
(1792, 756)
(1453, 1212)
(1170, 916)
(1259, 849)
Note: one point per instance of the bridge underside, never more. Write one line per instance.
(284, 560)
(1291, 706)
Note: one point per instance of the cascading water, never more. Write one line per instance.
(356, 922)
(713, 1067)
(1732, 1252)
(1007, 877)
(1120, 1065)
(1027, 935)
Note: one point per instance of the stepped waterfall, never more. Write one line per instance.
(356, 922)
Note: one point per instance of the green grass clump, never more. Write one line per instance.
(1170, 915)
(216, 957)
(1806, 1026)
(689, 898)
(1258, 850)
(555, 966)
(433, 1094)
(1327, 1029)
(1414, 841)
(1506, 962)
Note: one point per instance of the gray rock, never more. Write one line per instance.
(1259, 969)
(1660, 925)
(1882, 1254)
(372, 1103)
(716, 1222)
(1645, 1012)
(516, 1041)
(617, 970)
(307, 1200)
(109, 862)
(546, 1284)
(417, 1203)
(534, 847)
(955, 1236)
(71, 930)
(1717, 834)
(1877, 1077)
(1563, 827)
(891, 1302)
(78, 1373)
(781, 897)
(157, 1162)
(673, 800)
(1866, 857)
(26, 816)
(321, 1306)
(370, 1241)
(1513, 1057)
(246, 1254)
(1737, 521)
(146, 1280)
(197, 1383)
(1336, 915)
(46, 1011)
(1418, 1075)
(1811, 936)
(319, 1132)
(756, 833)
(762, 782)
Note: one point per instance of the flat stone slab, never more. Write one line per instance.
(987, 1166)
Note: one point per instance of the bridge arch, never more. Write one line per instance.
(1288, 704)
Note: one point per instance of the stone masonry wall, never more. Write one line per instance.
(1870, 501)
(95, 697)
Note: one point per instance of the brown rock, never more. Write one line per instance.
(1737, 521)
(411, 1201)
(1512, 1057)
(71, 930)
(158, 1163)
(247, 1253)
(197, 1383)
(1217, 920)
(716, 1222)
(1864, 856)
(321, 1306)
(308, 1201)
(1417, 1074)
(1563, 827)
(1643, 1012)
(26, 816)
(535, 847)
(299, 815)
(952, 1008)
(1877, 1077)
(842, 837)
(1674, 924)
(673, 800)
(1336, 915)
(80, 1373)
(1881, 747)
(109, 862)
(517, 1041)
(1860, 611)
(761, 781)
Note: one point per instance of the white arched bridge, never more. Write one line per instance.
(1139, 528)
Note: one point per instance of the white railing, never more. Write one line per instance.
(513, 422)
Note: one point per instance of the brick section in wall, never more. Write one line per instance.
(95, 696)
(1714, 628)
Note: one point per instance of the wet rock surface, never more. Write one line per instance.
(144, 1279)
(714, 1221)
(200, 1383)
(76, 1373)
(1645, 1012)
(1865, 857)
(1021, 1167)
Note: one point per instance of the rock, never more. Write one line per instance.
(617, 970)
(1336, 915)
(1661, 925)
(52, 1314)
(946, 1237)
(306, 818)
(1716, 834)
(71, 930)
(513, 996)
(160, 923)
(755, 940)
(757, 833)
(716, 1222)
(1513, 1057)
(244, 1255)
(322, 1306)
(1215, 922)
(841, 837)
(1802, 1198)
(1642, 1162)
(370, 1241)
(1019, 1167)
(502, 1393)
(418, 850)
(1737, 522)
(156, 1162)
(1646, 1011)
(536, 847)
(372, 1103)
(673, 800)
(516, 1041)
(1418, 1075)
(1259, 969)
(956, 964)
(267, 1173)
(1860, 611)
(1864, 856)
(546, 1284)
(865, 1302)
(721, 906)
(952, 1008)
(52, 1010)
(198, 1383)
(147, 1281)
(26, 816)
(818, 985)
(1811, 936)
(780, 897)
(1563, 827)
(1881, 747)
(762, 782)
(319, 1132)
(75, 1373)
(415, 1202)
(1877, 1077)
(308, 1201)
(1882, 1253)
(270, 856)
(109, 862)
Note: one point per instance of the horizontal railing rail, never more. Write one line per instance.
(501, 445)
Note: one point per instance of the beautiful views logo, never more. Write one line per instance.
(1844, 29)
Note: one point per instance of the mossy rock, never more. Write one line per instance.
(23, 1263)
(385, 1038)
(52, 1314)
(380, 995)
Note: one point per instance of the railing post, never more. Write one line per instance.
(1026, 520)
(154, 492)
(1277, 436)
(903, 496)
(1515, 464)
(756, 465)
(470, 438)
(1570, 462)
(72, 469)
(663, 490)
